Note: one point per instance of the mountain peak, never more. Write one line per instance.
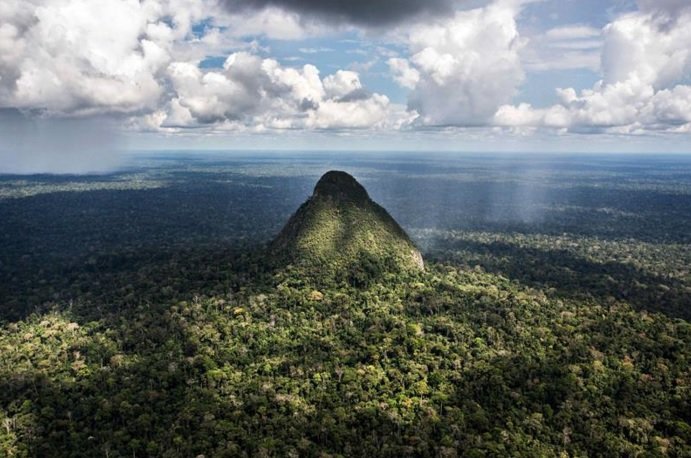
(340, 185)
(339, 225)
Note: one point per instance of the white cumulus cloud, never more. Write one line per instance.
(462, 68)
(259, 93)
(646, 65)
(404, 74)
(270, 22)
(71, 57)
(142, 58)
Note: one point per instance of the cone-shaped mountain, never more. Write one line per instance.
(339, 225)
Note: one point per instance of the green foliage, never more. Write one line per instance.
(442, 362)
(134, 323)
(341, 227)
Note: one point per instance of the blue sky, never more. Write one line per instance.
(466, 75)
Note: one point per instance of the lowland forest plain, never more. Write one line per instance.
(230, 304)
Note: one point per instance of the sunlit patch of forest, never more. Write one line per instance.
(141, 316)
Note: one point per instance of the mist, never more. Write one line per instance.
(34, 144)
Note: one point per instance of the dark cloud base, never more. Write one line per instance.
(364, 12)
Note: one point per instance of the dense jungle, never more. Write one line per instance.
(144, 313)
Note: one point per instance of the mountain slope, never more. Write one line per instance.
(340, 225)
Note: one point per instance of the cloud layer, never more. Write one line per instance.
(570, 47)
(143, 62)
(461, 69)
(255, 93)
(83, 57)
(363, 12)
(458, 63)
(646, 64)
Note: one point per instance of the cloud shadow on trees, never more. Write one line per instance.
(574, 277)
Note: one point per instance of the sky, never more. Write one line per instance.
(81, 79)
